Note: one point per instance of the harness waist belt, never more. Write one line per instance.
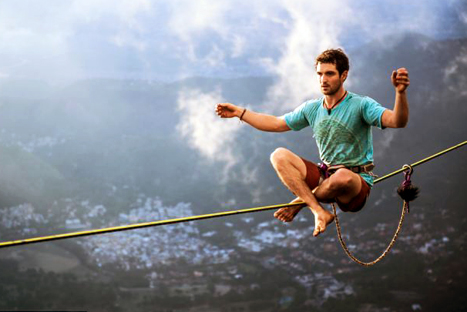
(357, 169)
(363, 168)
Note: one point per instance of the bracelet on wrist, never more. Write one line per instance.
(243, 113)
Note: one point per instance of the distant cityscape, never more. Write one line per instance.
(159, 251)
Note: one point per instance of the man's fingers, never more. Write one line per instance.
(403, 80)
(400, 77)
(223, 106)
(220, 109)
(401, 72)
(225, 110)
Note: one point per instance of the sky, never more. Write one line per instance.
(170, 40)
(61, 41)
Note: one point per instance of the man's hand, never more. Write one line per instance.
(399, 116)
(227, 110)
(400, 79)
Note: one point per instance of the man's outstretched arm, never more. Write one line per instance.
(399, 116)
(259, 121)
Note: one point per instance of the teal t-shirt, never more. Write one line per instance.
(344, 136)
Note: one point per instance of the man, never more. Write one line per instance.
(341, 122)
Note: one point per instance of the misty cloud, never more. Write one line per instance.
(189, 19)
(212, 137)
(171, 39)
(456, 82)
(295, 67)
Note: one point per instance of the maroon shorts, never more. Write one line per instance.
(313, 175)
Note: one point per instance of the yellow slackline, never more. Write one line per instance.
(140, 225)
(192, 218)
(421, 161)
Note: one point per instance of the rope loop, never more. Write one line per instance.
(407, 192)
(385, 252)
(408, 169)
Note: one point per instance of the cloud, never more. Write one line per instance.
(191, 18)
(239, 44)
(463, 17)
(226, 38)
(314, 26)
(212, 137)
(48, 39)
(306, 39)
(454, 74)
(125, 39)
(124, 12)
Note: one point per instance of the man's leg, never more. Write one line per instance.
(292, 171)
(344, 185)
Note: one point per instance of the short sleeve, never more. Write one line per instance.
(372, 112)
(296, 120)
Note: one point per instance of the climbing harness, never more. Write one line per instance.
(327, 171)
(224, 214)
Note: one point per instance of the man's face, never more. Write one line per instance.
(329, 78)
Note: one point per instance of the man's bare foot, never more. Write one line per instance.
(322, 220)
(287, 214)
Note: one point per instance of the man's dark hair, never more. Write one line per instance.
(336, 57)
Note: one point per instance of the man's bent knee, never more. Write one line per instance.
(344, 180)
(280, 156)
(286, 162)
(345, 184)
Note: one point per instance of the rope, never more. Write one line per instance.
(188, 219)
(421, 161)
(405, 209)
(385, 252)
(141, 225)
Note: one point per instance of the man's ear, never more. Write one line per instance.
(345, 74)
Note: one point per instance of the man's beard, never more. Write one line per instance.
(332, 91)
